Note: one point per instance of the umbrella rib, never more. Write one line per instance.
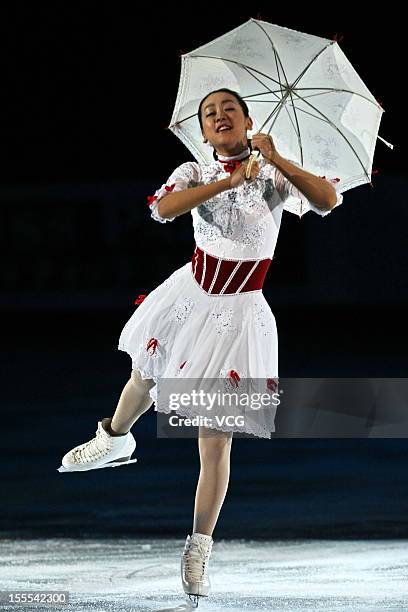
(277, 69)
(331, 89)
(182, 120)
(225, 59)
(291, 120)
(301, 151)
(338, 130)
(324, 88)
(262, 93)
(268, 101)
(279, 100)
(248, 69)
(306, 113)
(293, 88)
(298, 128)
(277, 58)
(296, 81)
(291, 96)
(276, 110)
(302, 110)
(323, 93)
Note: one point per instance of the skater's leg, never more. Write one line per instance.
(214, 447)
(215, 450)
(133, 402)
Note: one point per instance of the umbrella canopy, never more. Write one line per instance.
(299, 88)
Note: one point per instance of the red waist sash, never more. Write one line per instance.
(225, 276)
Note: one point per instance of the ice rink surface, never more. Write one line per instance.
(135, 575)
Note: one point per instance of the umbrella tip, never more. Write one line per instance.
(336, 38)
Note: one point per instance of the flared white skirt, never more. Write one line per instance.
(180, 331)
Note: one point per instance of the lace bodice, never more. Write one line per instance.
(243, 222)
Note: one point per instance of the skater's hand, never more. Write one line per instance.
(264, 143)
(237, 178)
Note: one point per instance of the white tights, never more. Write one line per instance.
(133, 402)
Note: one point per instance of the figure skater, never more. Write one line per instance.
(210, 319)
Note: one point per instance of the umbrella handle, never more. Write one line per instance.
(253, 157)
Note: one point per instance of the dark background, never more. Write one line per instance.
(87, 92)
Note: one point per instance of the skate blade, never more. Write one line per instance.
(115, 463)
(193, 600)
(184, 607)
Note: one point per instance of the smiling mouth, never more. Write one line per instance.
(223, 129)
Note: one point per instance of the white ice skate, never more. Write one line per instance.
(194, 566)
(102, 451)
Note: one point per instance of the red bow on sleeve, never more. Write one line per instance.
(151, 199)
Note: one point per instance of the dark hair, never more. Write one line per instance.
(241, 102)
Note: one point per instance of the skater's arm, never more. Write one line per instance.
(179, 202)
(316, 189)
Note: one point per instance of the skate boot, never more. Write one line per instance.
(194, 566)
(102, 451)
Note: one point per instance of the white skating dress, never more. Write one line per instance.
(181, 330)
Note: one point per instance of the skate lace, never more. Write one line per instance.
(196, 558)
(93, 450)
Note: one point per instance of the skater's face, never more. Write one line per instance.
(224, 123)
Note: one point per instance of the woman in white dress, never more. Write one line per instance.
(210, 319)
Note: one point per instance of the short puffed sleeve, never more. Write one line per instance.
(287, 190)
(184, 176)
